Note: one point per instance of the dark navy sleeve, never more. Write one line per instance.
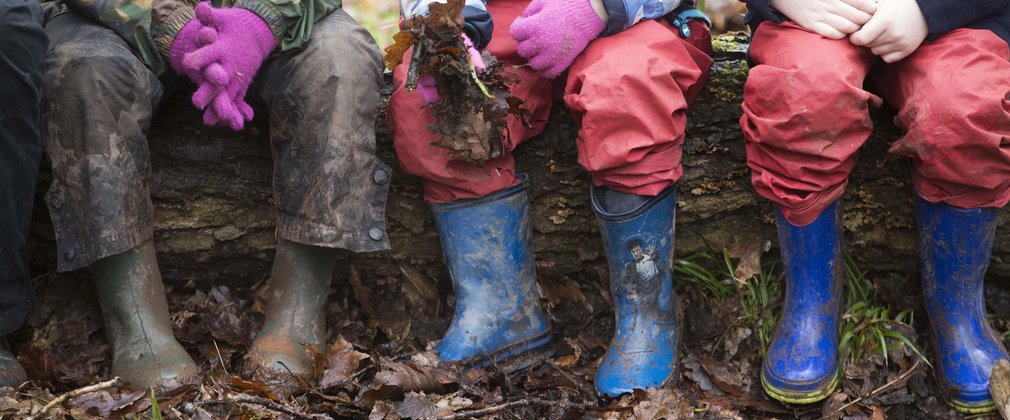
(479, 25)
(759, 11)
(478, 21)
(944, 16)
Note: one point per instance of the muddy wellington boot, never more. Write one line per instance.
(145, 353)
(955, 246)
(295, 315)
(11, 372)
(802, 364)
(638, 237)
(488, 248)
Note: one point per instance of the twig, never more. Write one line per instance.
(883, 387)
(265, 402)
(78, 392)
(517, 403)
(219, 358)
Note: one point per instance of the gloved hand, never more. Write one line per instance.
(426, 85)
(834, 19)
(244, 40)
(190, 38)
(895, 31)
(552, 33)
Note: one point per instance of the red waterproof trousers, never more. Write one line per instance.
(629, 93)
(806, 114)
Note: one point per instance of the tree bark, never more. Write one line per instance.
(215, 218)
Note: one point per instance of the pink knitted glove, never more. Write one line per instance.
(193, 36)
(552, 33)
(244, 40)
(426, 85)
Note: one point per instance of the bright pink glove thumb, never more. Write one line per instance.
(244, 41)
(428, 89)
(426, 85)
(552, 33)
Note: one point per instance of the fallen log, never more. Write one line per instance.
(215, 219)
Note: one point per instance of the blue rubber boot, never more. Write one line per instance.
(801, 366)
(639, 246)
(488, 248)
(955, 246)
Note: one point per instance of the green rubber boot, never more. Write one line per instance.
(11, 372)
(295, 318)
(145, 353)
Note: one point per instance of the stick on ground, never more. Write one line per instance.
(76, 393)
(265, 402)
(517, 403)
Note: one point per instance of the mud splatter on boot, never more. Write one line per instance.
(488, 247)
(145, 353)
(802, 365)
(955, 246)
(295, 319)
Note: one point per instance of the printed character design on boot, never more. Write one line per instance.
(639, 245)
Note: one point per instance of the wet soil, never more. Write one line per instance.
(376, 364)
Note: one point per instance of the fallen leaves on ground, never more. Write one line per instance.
(342, 361)
(999, 387)
(379, 363)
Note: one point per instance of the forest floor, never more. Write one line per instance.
(376, 365)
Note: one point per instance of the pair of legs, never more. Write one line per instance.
(22, 49)
(629, 93)
(329, 188)
(805, 116)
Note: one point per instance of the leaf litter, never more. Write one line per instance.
(471, 117)
(369, 370)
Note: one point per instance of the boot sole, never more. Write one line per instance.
(971, 408)
(801, 397)
(519, 356)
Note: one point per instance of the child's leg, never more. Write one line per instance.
(805, 116)
(329, 187)
(951, 96)
(630, 93)
(483, 219)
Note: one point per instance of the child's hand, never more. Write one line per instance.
(833, 19)
(895, 31)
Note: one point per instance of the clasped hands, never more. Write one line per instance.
(221, 50)
(891, 29)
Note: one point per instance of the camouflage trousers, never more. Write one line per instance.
(329, 187)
